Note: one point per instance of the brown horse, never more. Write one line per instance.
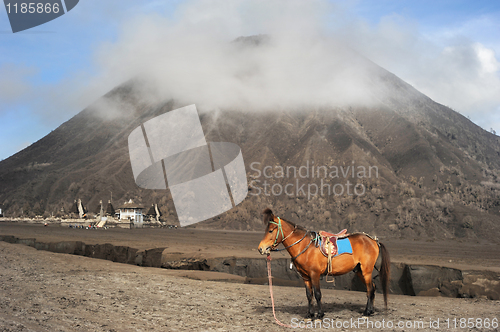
(311, 263)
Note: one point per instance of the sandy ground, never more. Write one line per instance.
(44, 291)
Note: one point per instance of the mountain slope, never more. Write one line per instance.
(438, 173)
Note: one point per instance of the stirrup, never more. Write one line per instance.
(330, 281)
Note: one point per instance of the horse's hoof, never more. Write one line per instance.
(367, 313)
(308, 318)
(319, 316)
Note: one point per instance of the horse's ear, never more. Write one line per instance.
(268, 215)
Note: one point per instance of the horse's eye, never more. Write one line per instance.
(272, 230)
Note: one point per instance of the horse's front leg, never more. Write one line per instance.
(309, 294)
(317, 295)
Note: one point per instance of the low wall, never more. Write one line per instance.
(67, 222)
(406, 279)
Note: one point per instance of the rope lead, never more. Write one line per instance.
(271, 290)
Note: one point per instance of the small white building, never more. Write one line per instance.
(132, 212)
(1, 213)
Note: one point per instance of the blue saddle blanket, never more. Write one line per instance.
(344, 246)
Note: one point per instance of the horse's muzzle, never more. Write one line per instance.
(264, 251)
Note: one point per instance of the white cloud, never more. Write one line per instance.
(449, 67)
(192, 59)
(190, 56)
(465, 77)
(14, 82)
(489, 63)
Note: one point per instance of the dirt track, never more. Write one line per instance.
(44, 291)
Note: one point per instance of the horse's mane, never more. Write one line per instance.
(269, 216)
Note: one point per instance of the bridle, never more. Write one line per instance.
(280, 230)
(283, 237)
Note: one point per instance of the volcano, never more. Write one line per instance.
(434, 173)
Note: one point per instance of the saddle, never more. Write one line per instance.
(328, 242)
(328, 247)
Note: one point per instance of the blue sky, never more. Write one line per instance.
(449, 50)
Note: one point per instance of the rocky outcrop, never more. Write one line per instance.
(406, 279)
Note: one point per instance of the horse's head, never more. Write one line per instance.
(274, 233)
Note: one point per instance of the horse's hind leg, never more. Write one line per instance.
(366, 278)
(309, 294)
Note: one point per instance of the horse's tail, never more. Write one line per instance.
(385, 271)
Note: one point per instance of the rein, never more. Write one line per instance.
(280, 229)
(296, 242)
(303, 250)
